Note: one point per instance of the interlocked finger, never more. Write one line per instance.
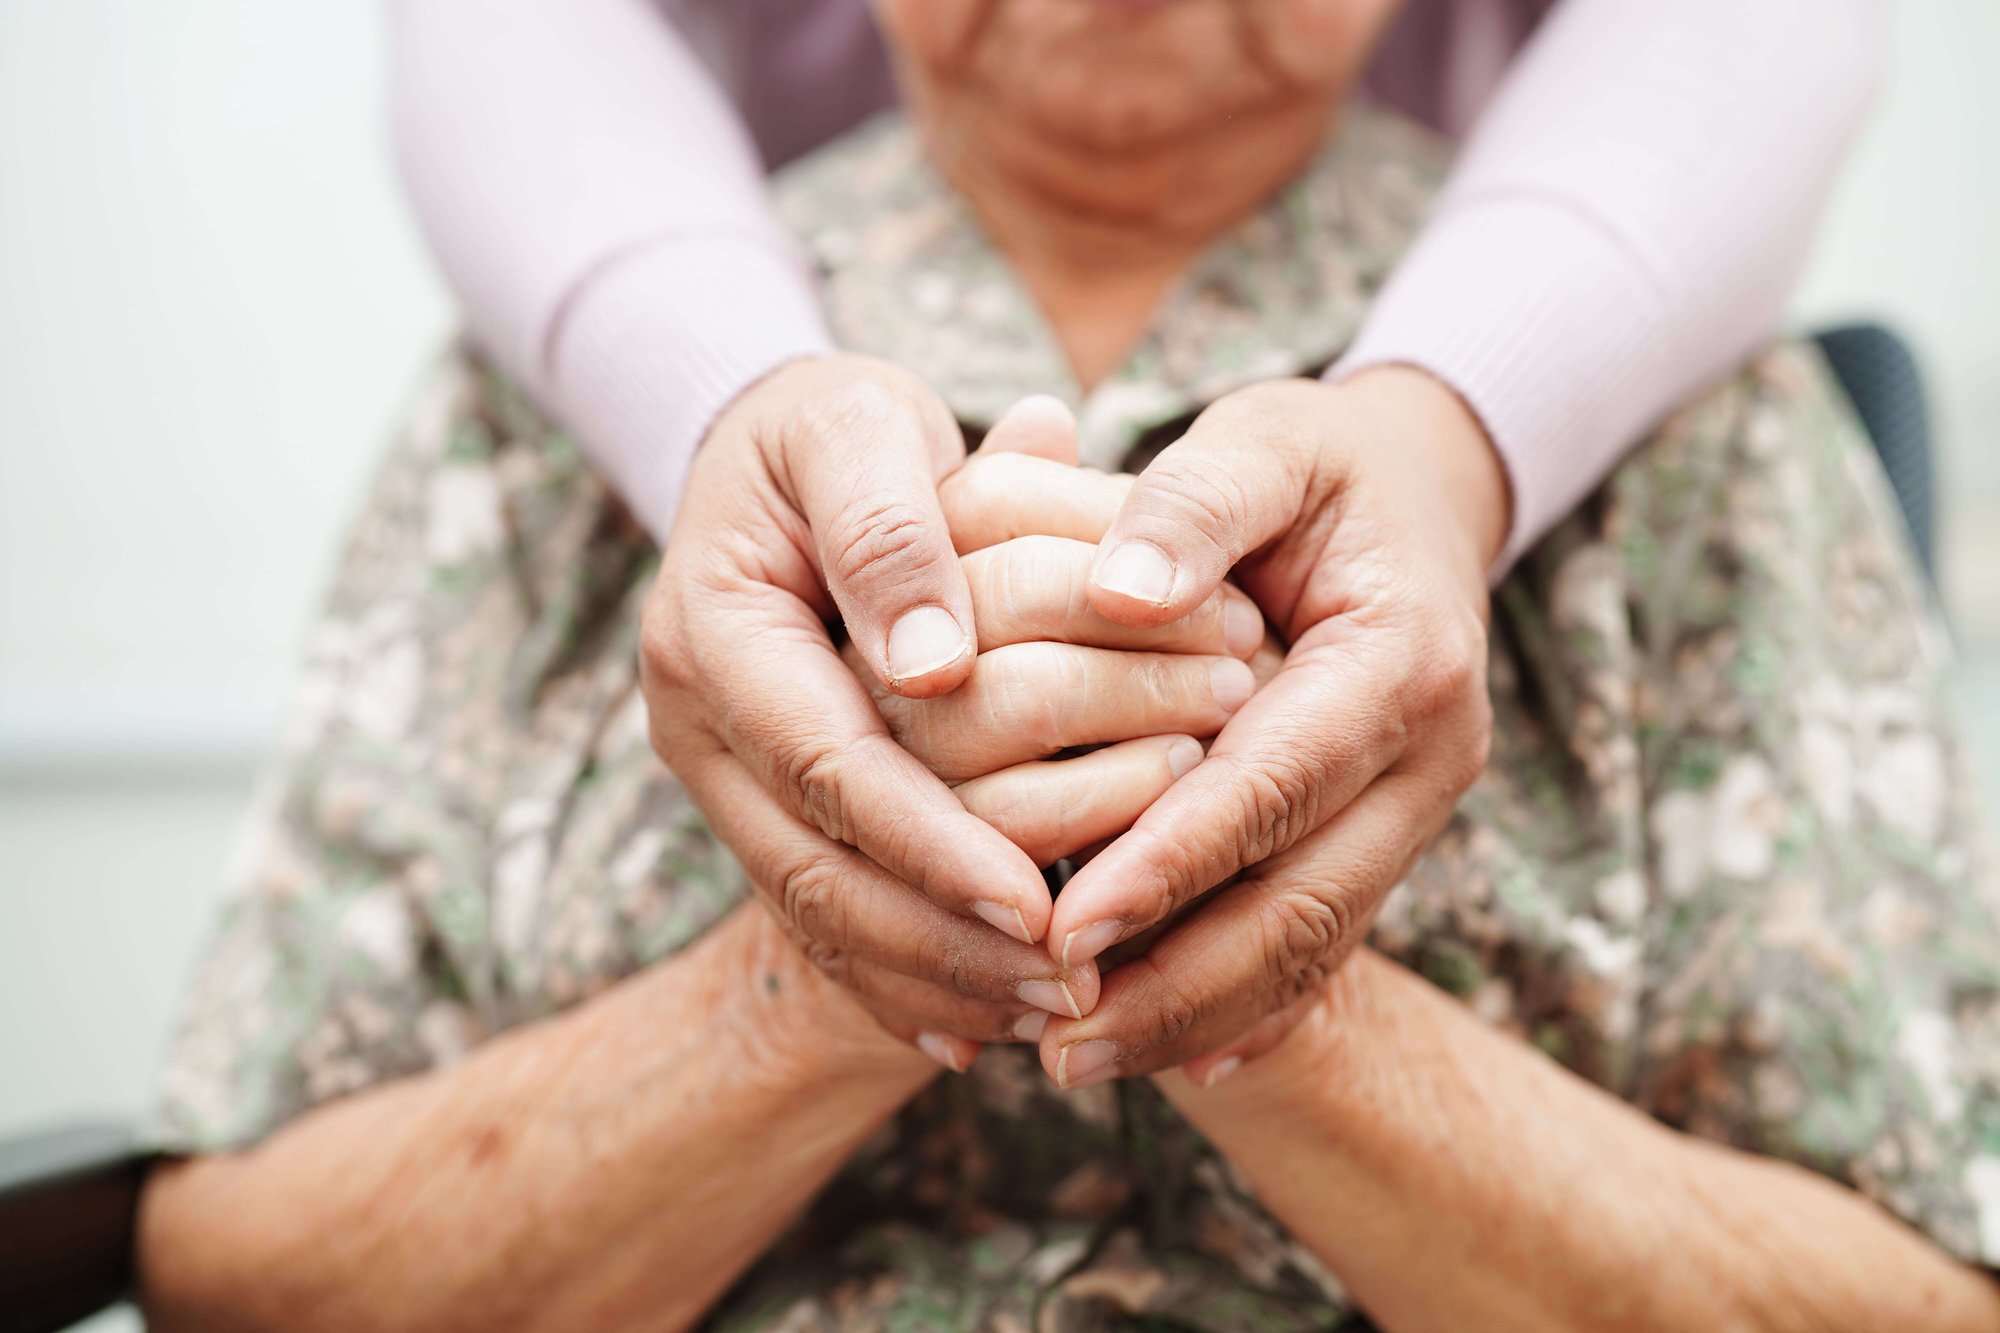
(1065, 807)
(997, 497)
(1037, 587)
(1032, 700)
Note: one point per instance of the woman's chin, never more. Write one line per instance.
(1124, 103)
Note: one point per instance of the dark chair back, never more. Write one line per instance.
(1880, 375)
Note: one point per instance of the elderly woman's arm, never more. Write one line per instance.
(1453, 1177)
(614, 1167)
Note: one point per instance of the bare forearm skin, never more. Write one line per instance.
(616, 1167)
(1454, 1178)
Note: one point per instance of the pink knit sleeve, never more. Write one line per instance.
(1624, 224)
(596, 203)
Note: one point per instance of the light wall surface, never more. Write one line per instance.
(211, 303)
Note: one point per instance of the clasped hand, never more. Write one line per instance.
(894, 807)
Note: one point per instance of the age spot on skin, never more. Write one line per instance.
(488, 1146)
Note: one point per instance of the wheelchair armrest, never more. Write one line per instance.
(69, 1201)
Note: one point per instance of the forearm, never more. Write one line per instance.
(1453, 1177)
(617, 1166)
(598, 208)
(1625, 224)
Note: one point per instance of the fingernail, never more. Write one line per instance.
(1222, 1070)
(1028, 1027)
(1006, 919)
(1076, 1064)
(941, 1049)
(924, 640)
(1053, 996)
(1139, 570)
(1242, 626)
(1183, 755)
(1086, 942)
(1230, 683)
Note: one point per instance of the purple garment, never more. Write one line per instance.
(1637, 189)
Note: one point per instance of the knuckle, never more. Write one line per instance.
(975, 495)
(1011, 582)
(1451, 668)
(832, 960)
(878, 542)
(1277, 414)
(816, 774)
(1473, 756)
(1174, 1012)
(812, 774)
(944, 960)
(1052, 570)
(664, 660)
(1026, 694)
(854, 405)
(809, 898)
(1279, 803)
(1201, 493)
(1302, 935)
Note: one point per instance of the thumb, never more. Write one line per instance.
(1238, 478)
(865, 475)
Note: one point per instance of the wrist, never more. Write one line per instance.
(1442, 438)
(787, 1023)
(1310, 1077)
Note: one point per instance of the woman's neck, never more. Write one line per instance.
(1100, 234)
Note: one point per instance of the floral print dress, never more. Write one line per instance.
(1725, 861)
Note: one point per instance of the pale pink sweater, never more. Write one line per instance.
(1634, 198)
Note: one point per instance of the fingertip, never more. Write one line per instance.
(1208, 1071)
(1231, 683)
(1137, 573)
(1049, 1047)
(928, 653)
(1083, 943)
(954, 1053)
(1052, 996)
(1183, 753)
(1242, 625)
(1007, 919)
(1085, 988)
(1040, 424)
(1081, 1064)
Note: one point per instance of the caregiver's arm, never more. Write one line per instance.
(614, 1167)
(1625, 223)
(597, 206)
(1453, 1177)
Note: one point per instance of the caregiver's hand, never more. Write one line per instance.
(822, 479)
(1362, 519)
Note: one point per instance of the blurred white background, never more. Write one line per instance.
(211, 306)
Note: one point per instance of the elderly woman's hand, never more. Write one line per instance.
(1362, 519)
